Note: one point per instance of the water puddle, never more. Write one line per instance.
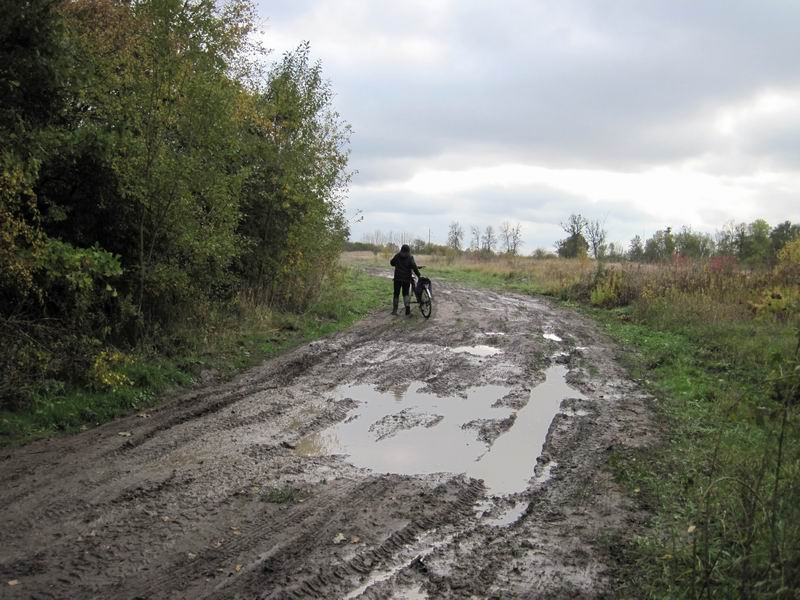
(479, 350)
(552, 337)
(509, 516)
(417, 433)
(411, 433)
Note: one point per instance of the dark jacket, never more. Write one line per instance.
(404, 264)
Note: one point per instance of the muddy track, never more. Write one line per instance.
(209, 496)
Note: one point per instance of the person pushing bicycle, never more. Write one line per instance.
(404, 264)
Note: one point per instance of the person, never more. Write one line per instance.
(403, 263)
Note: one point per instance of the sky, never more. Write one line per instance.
(642, 114)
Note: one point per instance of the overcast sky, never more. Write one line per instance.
(640, 113)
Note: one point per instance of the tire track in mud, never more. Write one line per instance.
(177, 509)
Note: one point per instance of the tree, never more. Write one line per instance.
(419, 246)
(510, 238)
(542, 253)
(515, 240)
(693, 244)
(660, 247)
(293, 212)
(781, 235)
(489, 240)
(756, 246)
(475, 240)
(575, 244)
(596, 234)
(455, 236)
(148, 173)
(636, 249)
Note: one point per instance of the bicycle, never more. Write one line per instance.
(424, 295)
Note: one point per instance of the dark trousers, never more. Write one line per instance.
(398, 286)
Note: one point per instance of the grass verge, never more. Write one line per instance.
(232, 342)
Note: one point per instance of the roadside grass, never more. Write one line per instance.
(241, 337)
(723, 487)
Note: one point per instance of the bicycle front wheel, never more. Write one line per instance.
(425, 304)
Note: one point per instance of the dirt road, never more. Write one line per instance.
(262, 488)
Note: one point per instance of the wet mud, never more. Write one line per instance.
(458, 457)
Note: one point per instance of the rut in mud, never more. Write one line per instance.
(460, 457)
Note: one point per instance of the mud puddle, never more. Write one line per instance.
(417, 433)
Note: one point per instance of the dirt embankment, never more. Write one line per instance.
(271, 486)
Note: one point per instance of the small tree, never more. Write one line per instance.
(575, 244)
(596, 234)
(505, 237)
(475, 240)
(510, 238)
(489, 240)
(516, 239)
(636, 250)
(542, 253)
(693, 244)
(455, 236)
(660, 247)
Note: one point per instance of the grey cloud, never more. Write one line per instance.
(620, 85)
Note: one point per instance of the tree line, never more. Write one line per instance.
(750, 244)
(487, 241)
(153, 166)
(753, 244)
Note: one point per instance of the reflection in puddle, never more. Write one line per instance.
(552, 336)
(479, 350)
(413, 443)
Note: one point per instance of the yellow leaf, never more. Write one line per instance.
(691, 529)
(237, 568)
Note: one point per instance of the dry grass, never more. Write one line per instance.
(706, 291)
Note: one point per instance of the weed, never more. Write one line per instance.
(283, 495)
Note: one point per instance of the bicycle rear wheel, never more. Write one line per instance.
(425, 304)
